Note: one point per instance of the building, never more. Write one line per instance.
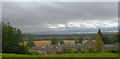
(53, 48)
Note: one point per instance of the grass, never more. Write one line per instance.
(62, 55)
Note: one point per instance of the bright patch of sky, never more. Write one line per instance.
(86, 24)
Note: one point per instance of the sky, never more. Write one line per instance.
(61, 17)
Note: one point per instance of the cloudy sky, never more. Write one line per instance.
(34, 17)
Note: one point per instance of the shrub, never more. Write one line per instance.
(91, 50)
(84, 52)
(77, 52)
(18, 49)
(30, 44)
(113, 51)
(59, 52)
(79, 49)
(70, 50)
(67, 50)
(34, 53)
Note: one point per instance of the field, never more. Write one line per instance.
(62, 55)
(48, 42)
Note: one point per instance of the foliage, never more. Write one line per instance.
(104, 38)
(11, 37)
(76, 41)
(59, 52)
(61, 41)
(67, 50)
(55, 41)
(30, 44)
(115, 38)
(84, 52)
(80, 40)
(91, 50)
(99, 45)
(113, 51)
(33, 53)
(79, 49)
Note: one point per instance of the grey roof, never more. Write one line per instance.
(110, 45)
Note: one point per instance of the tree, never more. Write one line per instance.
(115, 38)
(67, 50)
(91, 50)
(61, 42)
(11, 37)
(80, 40)
(99, 45)
(30, 44)
(76, 41)
(104, 38)
(54, 41)
(79, 49)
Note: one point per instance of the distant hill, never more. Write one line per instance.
(68, 36)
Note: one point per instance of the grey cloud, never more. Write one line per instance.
(37, 15)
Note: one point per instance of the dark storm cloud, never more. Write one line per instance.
(39, 16)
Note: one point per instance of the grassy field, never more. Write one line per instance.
(64, 55)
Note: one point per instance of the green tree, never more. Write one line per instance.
(76, 41)
(54, 41)
(61, 42)
(79, 49)
(104, 38)
(80, 40)
(67, 50)
(99, 45)
(11, 37)
(115, 38)
(91, 50)
(30, 44)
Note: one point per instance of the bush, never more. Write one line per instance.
(84, 52)
(18, 49)
(70, 50)
(59, 52)
(113, 51)
(91, 50)
(34, 53)
(79, 49)
(77, 52)
(67, 50)
(105, 52)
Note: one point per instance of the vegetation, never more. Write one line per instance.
(79, 40)
(91, 50)
(61, 41)
(79, 49)
(30, 44)
(55, 41)
(70, 55)
(76, 41)
(104, 37)
(11, 37)
(67, 50)
(114, 39)
(99, 45)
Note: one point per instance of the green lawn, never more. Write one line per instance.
(71, 55)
